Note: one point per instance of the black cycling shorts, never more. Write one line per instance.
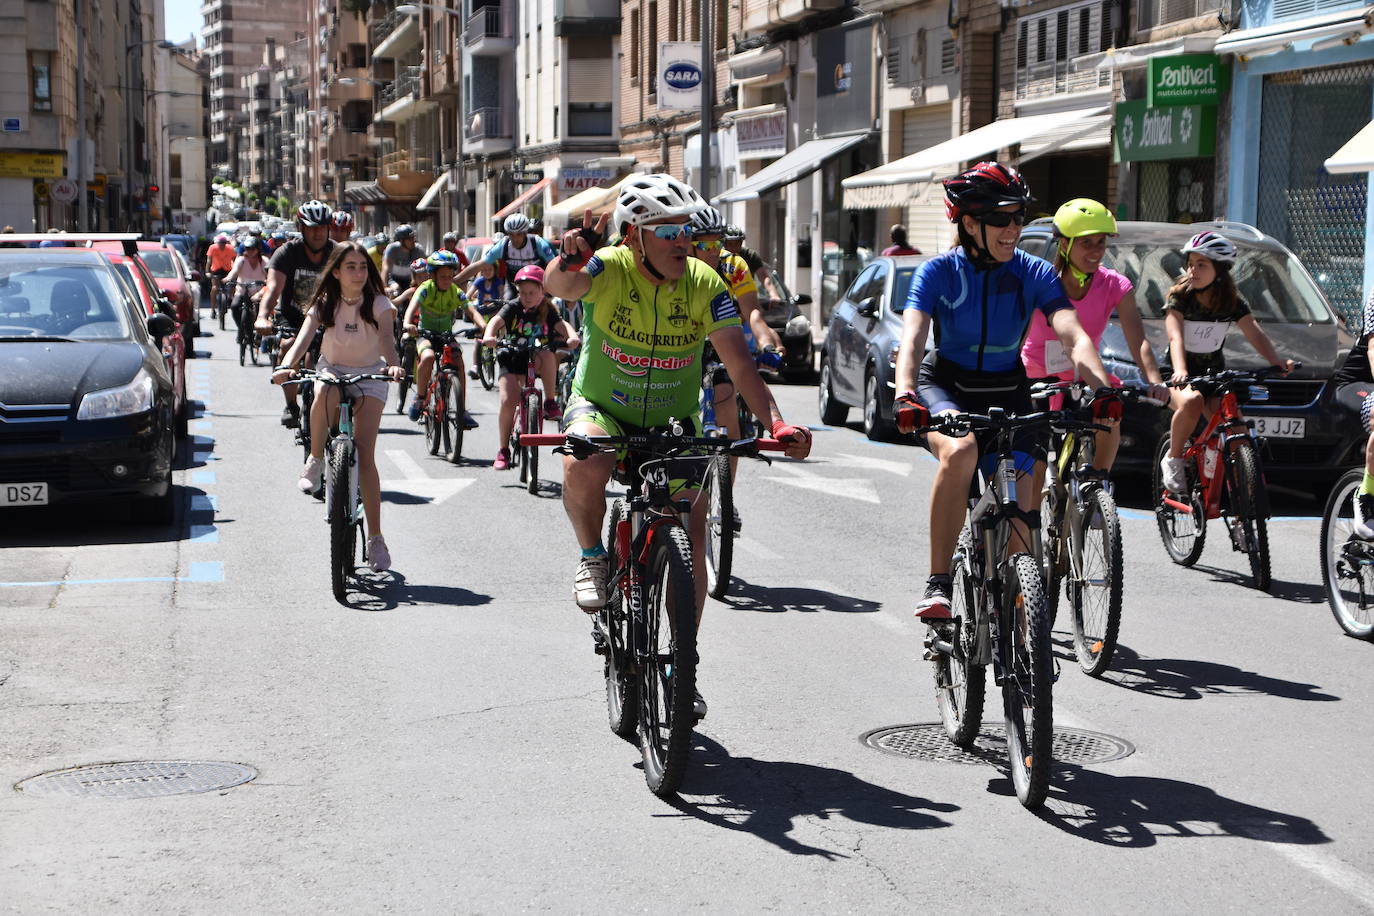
(943, 385)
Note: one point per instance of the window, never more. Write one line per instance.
(357, 55)
(1047, 44)
(40, 66)
(674, 18)
(722, 24)
(634, 47)
(1163, 12)
(653, 49)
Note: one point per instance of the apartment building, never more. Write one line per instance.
(183, 154)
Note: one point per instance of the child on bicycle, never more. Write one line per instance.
(435, 305)
(359, 337)
(1199, 312)
(531, 315)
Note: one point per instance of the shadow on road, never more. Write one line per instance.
(767, 797)
(548, 489)
(1189, 679)
(1301, 592)
(745, 596)
(1137, 811)
(386, 591)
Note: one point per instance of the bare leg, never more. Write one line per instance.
(584, 490)
(367, 419)
(958, 457)
(510, 385)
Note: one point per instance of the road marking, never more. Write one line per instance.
(204, 502)
(203, 477)
(203, 534)
(202, 426)
(848, 487)
(1324, 865)
(417, 482)
(863, 462)
(876, 616)
(754, 548)
(207, 571)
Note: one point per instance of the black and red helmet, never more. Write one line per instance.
(985, 186)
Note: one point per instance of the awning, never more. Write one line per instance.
(1134, 56)
(800, 162)
(891, 185)
(1247, 43)
(1356, 156)
(598, 200)
(439, 186)
(523, 199)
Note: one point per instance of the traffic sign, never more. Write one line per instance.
(63, 190)
(40, 191)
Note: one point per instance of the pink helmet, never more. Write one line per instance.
(532, 272)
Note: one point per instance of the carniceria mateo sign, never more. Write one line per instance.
(1186, 79)
(1145, 134)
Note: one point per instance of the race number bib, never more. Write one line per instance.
(1204, 336)
(1056, 360)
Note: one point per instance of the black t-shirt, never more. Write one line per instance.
(301, 276)
(1356, 366)
(1205, 330)
(751, 259)
(518, 325)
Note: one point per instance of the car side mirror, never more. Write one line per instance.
(869, 307)
(195, 276)
(160, 326)
(165, 306)
(801, 299)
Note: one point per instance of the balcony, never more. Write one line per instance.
(394, 34)
(572, 18)
(487, 131)
(763, 15)
(491, 29)
(406, 83)
(401, 99)
(402, 161)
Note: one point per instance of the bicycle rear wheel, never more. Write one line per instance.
(340, 499)
(1094, 586)
(1347, 562)
(408, 362)
(453, 417)
(960, 681)
(534, 423)
(307, 396)
(1054, 564)
(1028, 675)
(1248, 505)
(720, 529)
(1183, 533)
(668, 681)
(613, 622)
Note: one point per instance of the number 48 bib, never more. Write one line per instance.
(1204, 336)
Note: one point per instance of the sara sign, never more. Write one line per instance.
(1186, 79)
(679, 75)
(1174, 132)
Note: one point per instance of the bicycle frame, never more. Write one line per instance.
(1227, 416)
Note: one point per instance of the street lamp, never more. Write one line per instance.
(130, 58)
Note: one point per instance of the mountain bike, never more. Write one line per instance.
(529, 410)
(998, 611)
(1347, 561)
(224, 299)
(1081, 527)
(405, 349)
(1224, 474)
(248, 339)
(285, 330)
(444, 403)
(342, 498)
(647, 631)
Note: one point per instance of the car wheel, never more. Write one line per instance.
(833, 413)
(876, 426)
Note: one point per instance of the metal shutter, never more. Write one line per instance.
(926, 226)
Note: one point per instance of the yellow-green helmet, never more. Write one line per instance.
(1081, 217)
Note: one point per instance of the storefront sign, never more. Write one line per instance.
(1144, 134)
(762, 135)
(844, 78)
(1186, 79)
(527, 176)
(570, 181)
(679, 75)
(31, 165)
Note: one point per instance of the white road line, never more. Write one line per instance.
(755, 549)
(887, 621)
(900, 468)
(1327, 867)
(416, 481)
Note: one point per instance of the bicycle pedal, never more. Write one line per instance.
(598, 642)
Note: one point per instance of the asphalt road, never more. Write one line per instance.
(440, 744)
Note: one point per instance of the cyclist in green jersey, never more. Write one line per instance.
(434, 306)
(648, 307)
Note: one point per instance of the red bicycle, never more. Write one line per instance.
(529, 409)
(1225, 477)
(444, 402)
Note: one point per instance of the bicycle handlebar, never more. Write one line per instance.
(581, 447)
(1227, 378)
(1079, 390)
(312, 375)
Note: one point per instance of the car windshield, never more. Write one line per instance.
(1271, 282)
(68, 300)
(160, 264)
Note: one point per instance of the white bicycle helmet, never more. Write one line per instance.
(653, 197)
(708, 221)
(314, 213)
(516, 222)
(1212, 246)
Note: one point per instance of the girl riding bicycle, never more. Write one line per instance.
(359, 337)
(533, 314)
(249, 267)
(1200, 310)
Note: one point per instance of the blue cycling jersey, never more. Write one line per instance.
(981, 316)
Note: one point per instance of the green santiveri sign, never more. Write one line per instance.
(1144, 134)
(1186, 79)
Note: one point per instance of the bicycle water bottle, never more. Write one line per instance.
(1209, 461)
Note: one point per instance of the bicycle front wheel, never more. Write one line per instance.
(454, 408)
(1183, 532)
(1028, 675)
(1094, 587)
(486, 366)
(1248, 505)
(408, 361)
(613, 622)
(431, 417)
(341, 505)
(668, 681)
(534, 422)
(960, 679)
(720, 528)
(1347, 562)
(1054, 564)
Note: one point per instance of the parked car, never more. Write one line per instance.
(86, 397)
(1306, 434)
(782, 311)
(859, 353)
(134, 273)
(168, 270)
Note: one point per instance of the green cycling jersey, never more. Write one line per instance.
(439, 309)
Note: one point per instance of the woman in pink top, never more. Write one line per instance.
(1082, 227)
(359, 324)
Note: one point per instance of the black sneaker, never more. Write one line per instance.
(291, 416)
(935, 605)
(735, 522)
(1364, 516)
(698, 705)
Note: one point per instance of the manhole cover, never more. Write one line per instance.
(138, 779)
(928, 741)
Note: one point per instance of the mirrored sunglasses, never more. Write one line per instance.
(671, 233)
(709, 245)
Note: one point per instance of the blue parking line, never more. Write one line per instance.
(203, 534)
(205, 571)
(204, 502)
(205, 478)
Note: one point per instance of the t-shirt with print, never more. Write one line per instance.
(1044, 355)
(302, 275)
(519, 323)
(1205, 330)
(1356, 365)
(511, 257)
(641, 343)
(439, 309)
(355, 342)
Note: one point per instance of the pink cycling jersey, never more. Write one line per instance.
(1107, 289)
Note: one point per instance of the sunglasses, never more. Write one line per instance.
(709, 246)
(673, 232)
(1000, 219)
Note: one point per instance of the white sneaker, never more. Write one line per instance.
(311, 474)
(1175, 474)
(378, 557)
(589, 582)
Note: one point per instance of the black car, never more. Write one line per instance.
(859, 354)
(1305, 433)
(86, 400)
(782, 311)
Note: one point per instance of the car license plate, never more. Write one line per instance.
(23, 494)
(1281, 427)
